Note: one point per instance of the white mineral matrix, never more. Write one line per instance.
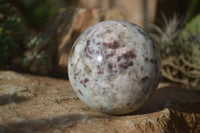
(114, 67)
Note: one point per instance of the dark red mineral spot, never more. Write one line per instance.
(88, 42)
(126, 60)
(88, 51)
(144, 79)
(126, 64)
(84, 82)
(112, 45)
(110, 67)
(76, 74)
(127, 56)
(112, 53)
(101, 71)
(80, 92)
(152, 60)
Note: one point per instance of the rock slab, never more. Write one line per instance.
(42, 104)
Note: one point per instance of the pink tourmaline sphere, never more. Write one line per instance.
(114, 67)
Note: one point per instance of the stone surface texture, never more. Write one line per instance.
(114, 67)
(35, 104)
(69, 23)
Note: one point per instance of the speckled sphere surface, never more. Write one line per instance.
(114, 67)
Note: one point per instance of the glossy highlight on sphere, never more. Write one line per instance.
(114, 67)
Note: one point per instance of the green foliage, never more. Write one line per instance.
(189, 40)
(193, 10)
(33, 52)
(191, 28)
(37, 13)
(39, 55)
(11, 33)
(181, 52)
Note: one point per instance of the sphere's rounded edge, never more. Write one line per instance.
(115, 111)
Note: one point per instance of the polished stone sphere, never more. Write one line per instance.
(114, 67)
